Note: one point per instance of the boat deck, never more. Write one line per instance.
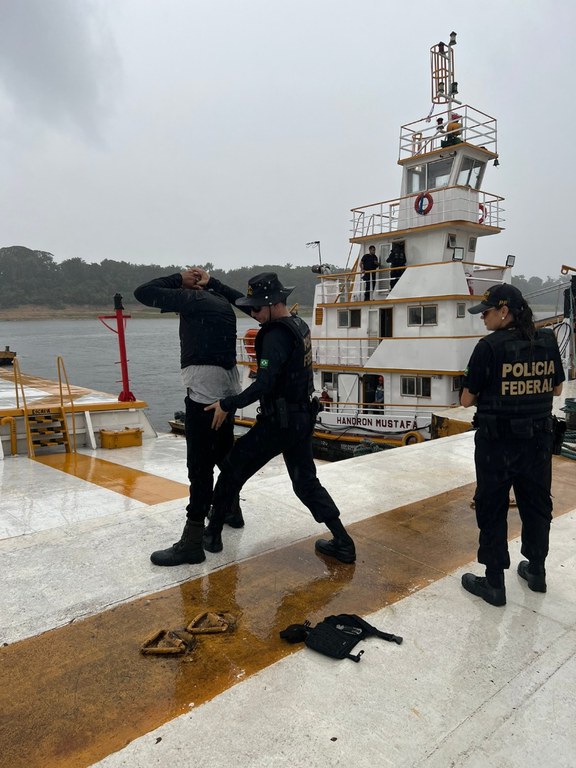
(471, 684)
(45, 393)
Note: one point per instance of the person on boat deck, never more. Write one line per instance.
(326, 399)
(453, 131)
(512, 376)
(369, 264)
(379, 391)
(397, 261)
(207, 331)
(283, 385)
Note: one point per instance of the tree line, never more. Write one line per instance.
(29, 277)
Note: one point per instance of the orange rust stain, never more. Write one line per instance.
(75, 694)
(142, 486)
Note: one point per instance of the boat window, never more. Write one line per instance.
(319, 316)
(471, 173)
(439, 173)
(457, 383)
(427, 315)
(460, 310)
(416, 386)
(472, 244)
(430, 176)
(355, 318)
(416, 179)
(329, 379)
(349, 318)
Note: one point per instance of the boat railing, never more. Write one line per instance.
(344, 287)
(349, 286)
(344, 351)
(430, 134)
(455, 203)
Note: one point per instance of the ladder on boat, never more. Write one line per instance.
(47, 427)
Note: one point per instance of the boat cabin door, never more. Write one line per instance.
(373, 330)
(348, 392)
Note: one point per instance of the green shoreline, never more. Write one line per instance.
(73, 313)
(137, 312)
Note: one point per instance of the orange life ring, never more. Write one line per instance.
(419, 206)
(482, 209)
(411, 438)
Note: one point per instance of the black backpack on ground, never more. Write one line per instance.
(335, 636)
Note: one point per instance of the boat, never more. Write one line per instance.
(39, 415)
(176, 424)
(7, 356)
(408, 329)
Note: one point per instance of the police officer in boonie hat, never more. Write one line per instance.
(497, 296)
(283, 385)
(264, 289)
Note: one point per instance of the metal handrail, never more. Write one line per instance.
(62, 372)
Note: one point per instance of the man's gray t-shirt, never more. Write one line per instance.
(208, 383)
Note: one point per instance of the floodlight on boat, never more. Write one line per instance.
(452, 38)
(458, 254)
(510, 260)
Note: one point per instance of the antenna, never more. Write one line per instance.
(444, 87)
(315, 244)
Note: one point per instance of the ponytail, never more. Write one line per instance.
(524, 322)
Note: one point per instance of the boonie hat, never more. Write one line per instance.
(264, 290)
(504, 295)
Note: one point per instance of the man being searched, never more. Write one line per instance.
(208, 360)
(283, 385)
(512, 376)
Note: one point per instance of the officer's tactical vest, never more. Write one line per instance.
(522, 382)
(295, 383)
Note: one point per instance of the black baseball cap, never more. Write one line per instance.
(503, 295)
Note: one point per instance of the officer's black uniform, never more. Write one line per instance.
(286, 418)
(284, 425)
(513, 379)
(397, 260)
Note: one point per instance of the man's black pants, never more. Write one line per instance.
(205, 449)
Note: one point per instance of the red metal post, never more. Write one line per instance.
(120, 317)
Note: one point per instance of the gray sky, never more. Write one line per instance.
(235, 131)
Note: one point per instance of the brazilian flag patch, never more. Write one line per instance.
(263, 363)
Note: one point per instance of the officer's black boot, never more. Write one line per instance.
(490, 588)
(534, 574)
(234, 517)
(341, 546)
(187, 550)
(212, 539)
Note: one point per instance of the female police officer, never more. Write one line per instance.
(512, 376)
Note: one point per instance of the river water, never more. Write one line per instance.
(91, 356)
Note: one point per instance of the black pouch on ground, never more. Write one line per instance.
(336, 636)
